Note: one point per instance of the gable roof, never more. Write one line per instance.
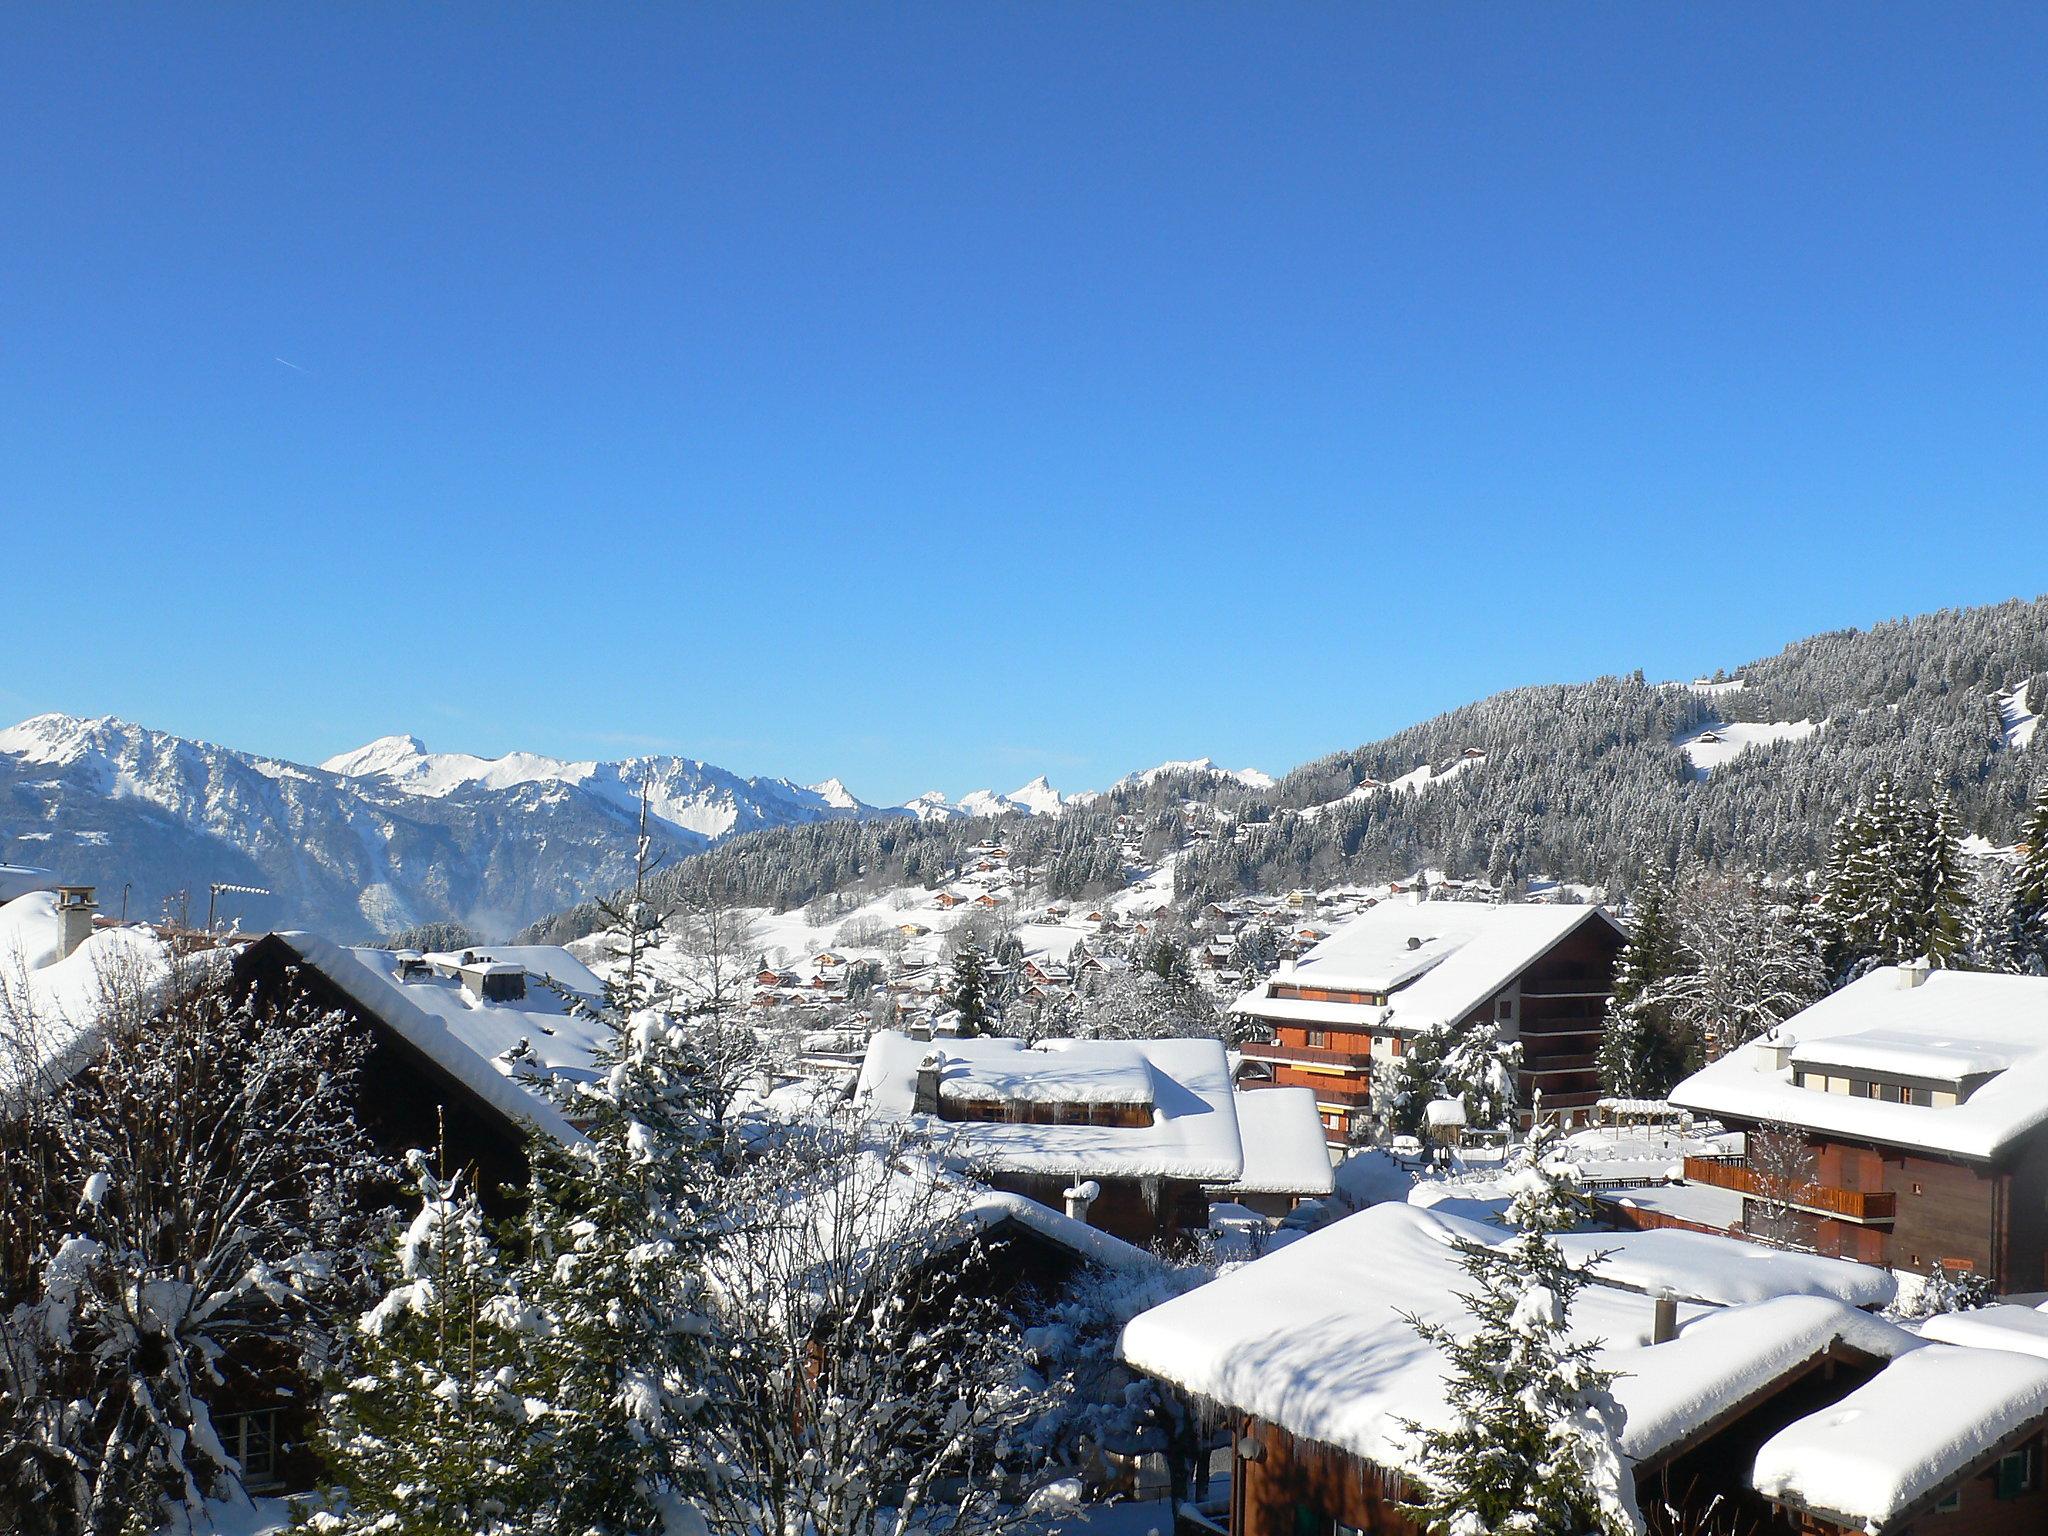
(1887, 1449)
(1434, 961)
(1315, 1338)
(462, 1035)
(1953, 1023)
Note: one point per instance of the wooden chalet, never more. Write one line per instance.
(1125, 1135)
(1918, 1105)
(1538, 973)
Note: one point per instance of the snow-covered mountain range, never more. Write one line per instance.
(387, 835)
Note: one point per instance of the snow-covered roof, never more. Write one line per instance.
(1193, 1134)
(1725, 1271)
(1909, 1053)
(1313, 1338)
(50, 1008)
(1078, 1072)
(1286, 1149)
(2007, 1325)
(467, 1036)
(1435, 961)
(1924, 1420)
(1951, 1019)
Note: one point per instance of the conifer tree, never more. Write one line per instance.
(1401, 1097)
(967, 989)
(1895, 889)
(1531, 1448)
(616, 1228)
(1478, 1070)
(2030, 887)
(1642, 1054)
(426, 1428)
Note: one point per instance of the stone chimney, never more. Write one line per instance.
(1664, 1321)
(1081, 1197)
(75, 908)
(928, 1073)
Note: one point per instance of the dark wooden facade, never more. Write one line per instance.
(407, 1099)
(1916, 1210)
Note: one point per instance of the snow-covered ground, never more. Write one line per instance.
(2018, 715)
(1719, 743)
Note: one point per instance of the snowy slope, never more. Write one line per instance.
(1719, 742)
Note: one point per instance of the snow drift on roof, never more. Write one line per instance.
(1923, 1420)
(1312, 1338)
(1286, 1150)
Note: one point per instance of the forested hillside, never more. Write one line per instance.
(1588, 782)
(1595, 782)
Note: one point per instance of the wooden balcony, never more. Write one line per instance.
(1876, 1205)
(1315, 1055)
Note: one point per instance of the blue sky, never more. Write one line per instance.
(932, 395)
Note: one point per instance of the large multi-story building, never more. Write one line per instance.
(1539, 973)
(1901, 1121)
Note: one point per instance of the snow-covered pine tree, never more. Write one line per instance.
(1531, 1447)
(632, 928)
(426, 1430)
(614, 1233)
(2030, 887)
(1895, 885)
(967, 990)
(1401, 1098)
(179, 1218)
(1642, 1053)
(1255, 952)
(1942, 891)
(1478, 1069)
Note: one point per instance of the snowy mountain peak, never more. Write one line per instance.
(835, 793)
(385, 755)
(1038, 797)
(55, 738)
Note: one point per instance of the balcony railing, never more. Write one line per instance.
(1269, 1051)
(1848, 1204)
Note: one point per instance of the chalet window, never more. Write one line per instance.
(251, 1438)
(1318, 1038)
(1951, 1504)
(1504, 1009)
(2016, 1472)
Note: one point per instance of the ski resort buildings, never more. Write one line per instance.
(1915, 1103)
(1538, 973)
